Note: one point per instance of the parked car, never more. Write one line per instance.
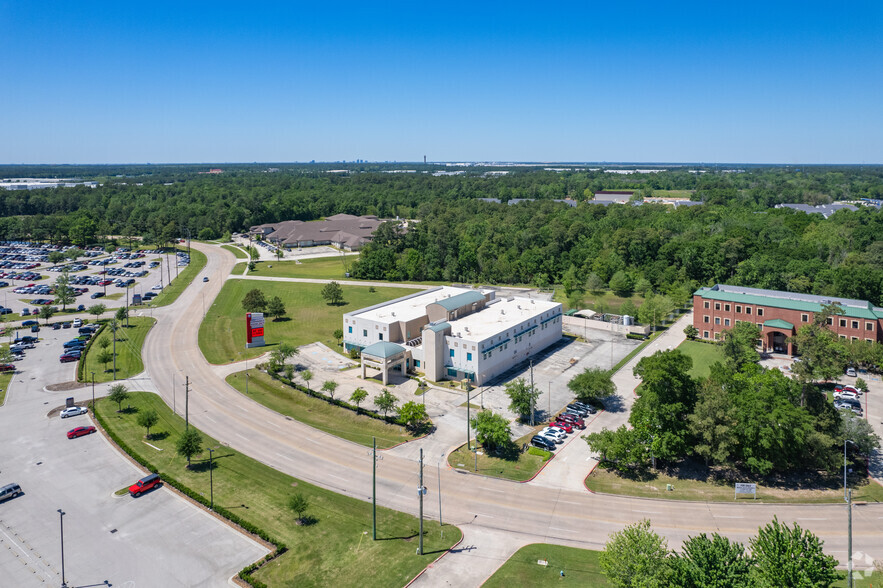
(557, 435)
(850, 371)
(9, 491)
(80, 431)
(69, 357)
(81, 308)
(542, 443)
(97, 295)
(29, 323)
(78, 323)
(845, 394)
(56, 326)
(35, 328)
(205, 279)
(588, 407)
(144, 484)
(7, 367)
(73, 411)
(563, 425)
(65, 325)
(26, 312)
(577, 409)
(573, 420)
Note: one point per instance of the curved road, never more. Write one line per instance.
(482, 505)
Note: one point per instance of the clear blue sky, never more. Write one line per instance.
(113, 82)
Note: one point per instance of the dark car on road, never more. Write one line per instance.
(80, 431)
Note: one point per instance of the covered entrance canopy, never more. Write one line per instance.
(776, 333)
(384, 356)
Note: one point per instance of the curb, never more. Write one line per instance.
(447, 551)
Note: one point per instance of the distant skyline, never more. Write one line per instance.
(748, 82)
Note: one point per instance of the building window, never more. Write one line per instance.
(717, 305)
(706, 319)
(854, 338)
(364, 332)
(717, 336)
(842, 322)
(830, 322)
(416, 363)
(452, 373)
(468, 357)
(705, 334)
(747, 310)
(726, 322)
(738, 308)
(843, 336)
(707, 305)
(351, 330)
(717, 320)
(727, 307)
(854, 324)
(380, 335)
(869, 340)
(869, 326)
(804, 318)
(452, 353)
(759, 312)
(759, 325)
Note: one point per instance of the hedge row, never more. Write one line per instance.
(246, 573)
(81, 363)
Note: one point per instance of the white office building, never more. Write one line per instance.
(452, 333)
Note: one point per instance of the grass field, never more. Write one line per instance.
(520, 467)
(580, 568)
(130, 340)
(688, 489)
(608, 301)
(309, 318)
(239, 253)
(672, 193)
(180, 283)
(317, 413)
(335, 549)
(703, 355)
(326, 268)
(5, 379)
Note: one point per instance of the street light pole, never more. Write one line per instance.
(374, 491)
(61, 520)
(845, 441)
(93, 392)
(849, 541)
(211, 483)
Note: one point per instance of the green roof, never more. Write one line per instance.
(788, 303)
(383, 349)
(438, 327)
(778, 324)
(460, 300)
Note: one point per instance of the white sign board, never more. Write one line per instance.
(746, 489)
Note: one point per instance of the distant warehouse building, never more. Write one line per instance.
(452, 333)
(779, 315)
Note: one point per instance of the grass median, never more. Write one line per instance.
(514, 464)
(326, 268)
(239, 253)
(5, 380)
(310, 318)
(130, 341)
(580, 567)
(317, 413)
(333, 549)
(185, 276)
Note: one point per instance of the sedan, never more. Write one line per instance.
(542, 443)
(563, 425)
(80, 431)
(844, 394)
(69, 357)
(97, 295)
(573, 420)
(73, 411)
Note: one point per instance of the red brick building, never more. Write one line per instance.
(780, 314)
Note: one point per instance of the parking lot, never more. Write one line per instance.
(108, 538)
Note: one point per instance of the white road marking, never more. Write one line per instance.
(810, 519)
(210, 418)
(242, 437)
(559, 529)
(284, 456)
(484, 515)
(728, 517)
(648, 511)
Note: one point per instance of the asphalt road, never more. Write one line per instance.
(533, 512)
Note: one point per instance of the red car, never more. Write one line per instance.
(566, 427)
(68, 357)
(79, 432)
(573, 420)
(144, 484)
(7, 367)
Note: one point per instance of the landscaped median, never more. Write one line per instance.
(179, 283)
(333, 548)
(541, 564)
(327, 268)
(318, 412)
(130, 341)
(239, 253)
(513, 464)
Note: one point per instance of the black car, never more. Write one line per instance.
(97, 295)
(542, 443)
(581, 411)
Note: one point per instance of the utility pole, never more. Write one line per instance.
(422, 490)
(374, 491)
(114, 323)
(61, 519)
(438, 474)
(174, 394)
(531, 394)
(468, 432)
(211, 482)
(127, 306)
(187, 403)
(849, 544)
(93, 392)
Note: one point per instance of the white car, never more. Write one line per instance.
(73, 411)
(850, 372)
(78, 323)
(838, 394)
(556, 435)
(157, 287)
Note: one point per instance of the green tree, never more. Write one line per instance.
(621, 284)
(791, 557)
(636, 557)
(823, 356)
(254, 301)
(713, 424)
(628, 308)
(691, 332)
(105, 357)
(413, 415)
(299, 504)
(595, 284)
(623, 449)
(189, 444)
(64, 294)
(642, 286)
(73, 253)
(571, 281)
(385, 401)
(859, 431)
(46, 313)
(593, 384)
(522, 397)
(358, 396)
(97, 310)
(714, 562)
(289, 372)
(279, 253)
(147, 419)
(860, 384)
(492, 431)
(276, 308)
(329, 386)
(333, 293)
(104, 343)
(118, 393)
(252, 266)
(338, 334)
(576, 299)
(654, 310)
(739, 344)
(56, 257)
(307, 375)
(121, 314)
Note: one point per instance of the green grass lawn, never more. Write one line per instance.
(185, 276)
(239, 253)
(608, 301)
(5, 379)
(690, 489)
(520, 466)
(703, 355)
(130, 340)
(672, 193)
(326, 268)
(335, 550)
(310, 318)
(580, 566)
(317, 413)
